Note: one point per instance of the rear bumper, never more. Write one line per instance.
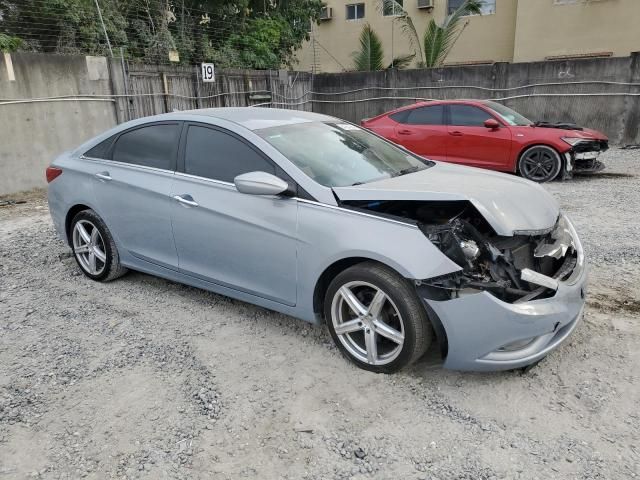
(478, 326)
(56, 209)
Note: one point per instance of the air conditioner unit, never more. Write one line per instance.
(425, 4)
(326, 13)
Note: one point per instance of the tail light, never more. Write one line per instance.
(53, 173)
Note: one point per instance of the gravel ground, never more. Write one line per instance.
(144, 378)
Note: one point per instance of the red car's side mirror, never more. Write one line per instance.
(492, 124)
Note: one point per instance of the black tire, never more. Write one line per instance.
(106, 270)
(401, 297)
(540, 164)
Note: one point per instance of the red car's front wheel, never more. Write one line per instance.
(540, 163)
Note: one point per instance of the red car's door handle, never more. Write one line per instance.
(456, 133)
(405, 132)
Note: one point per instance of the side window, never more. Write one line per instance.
(152, 146)
(220, 156)
(468, 116)
(400, 117)
(426, 115)
(102, 150)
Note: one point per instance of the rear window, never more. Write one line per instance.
(102, 150)
(400, 117)
(152, 146)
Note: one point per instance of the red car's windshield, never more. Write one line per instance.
(511, 117)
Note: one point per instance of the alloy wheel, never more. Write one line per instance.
(367, 323)
(539, 164)
(88, 247)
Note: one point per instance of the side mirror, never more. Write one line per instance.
(492, 124)
(260, 183)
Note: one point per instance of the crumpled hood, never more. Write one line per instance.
(507, 202)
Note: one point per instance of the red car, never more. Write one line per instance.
(486, 134)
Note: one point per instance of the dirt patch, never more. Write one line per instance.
(610, 304)
(23, 203)
(586, 176)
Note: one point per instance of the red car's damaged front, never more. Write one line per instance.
(583, 145)
(486, 134)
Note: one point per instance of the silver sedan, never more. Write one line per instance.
(320, 219)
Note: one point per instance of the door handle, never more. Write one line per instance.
(186, 200)
(405, 132)
(104, 176)
(456, 133)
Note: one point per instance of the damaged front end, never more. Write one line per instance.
(526, 266)
(515, 269)
(583, 156)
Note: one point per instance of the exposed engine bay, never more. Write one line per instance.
(517, 268)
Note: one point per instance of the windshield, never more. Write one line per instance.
(338, 154)
(510, 116)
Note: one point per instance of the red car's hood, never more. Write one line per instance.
(593, 133)
(561, 132)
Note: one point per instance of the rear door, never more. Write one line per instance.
(245, 242)
(422, 130)
(132, 182)
(469, 142)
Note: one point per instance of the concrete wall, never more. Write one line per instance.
(32, 134)
(487, 38)
(547, 28)
(604, 106)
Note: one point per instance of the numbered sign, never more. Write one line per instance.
(208, 72)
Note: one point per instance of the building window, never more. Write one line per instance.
(392, 8)
(488, 7)
(355, 11)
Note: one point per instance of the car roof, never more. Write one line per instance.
(441, 102)
(254, 118)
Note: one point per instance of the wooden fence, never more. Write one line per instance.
(143, 90)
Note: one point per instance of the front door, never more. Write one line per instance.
(245, 242)
(469, 142)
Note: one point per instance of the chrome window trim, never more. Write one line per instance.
(198, 177)
(334, 207)
(128, 165)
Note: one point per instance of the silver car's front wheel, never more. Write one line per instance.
(94, 247)
(367, 323)
(376, 319)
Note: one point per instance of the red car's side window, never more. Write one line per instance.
(467, 116)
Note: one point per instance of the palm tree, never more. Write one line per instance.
(370, 56)
(438, 40)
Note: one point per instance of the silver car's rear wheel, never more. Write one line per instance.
(367, 323)
(88, 246)
(376, 318)
(94, 247)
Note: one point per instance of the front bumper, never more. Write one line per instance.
(583, 157)
(477, 326)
